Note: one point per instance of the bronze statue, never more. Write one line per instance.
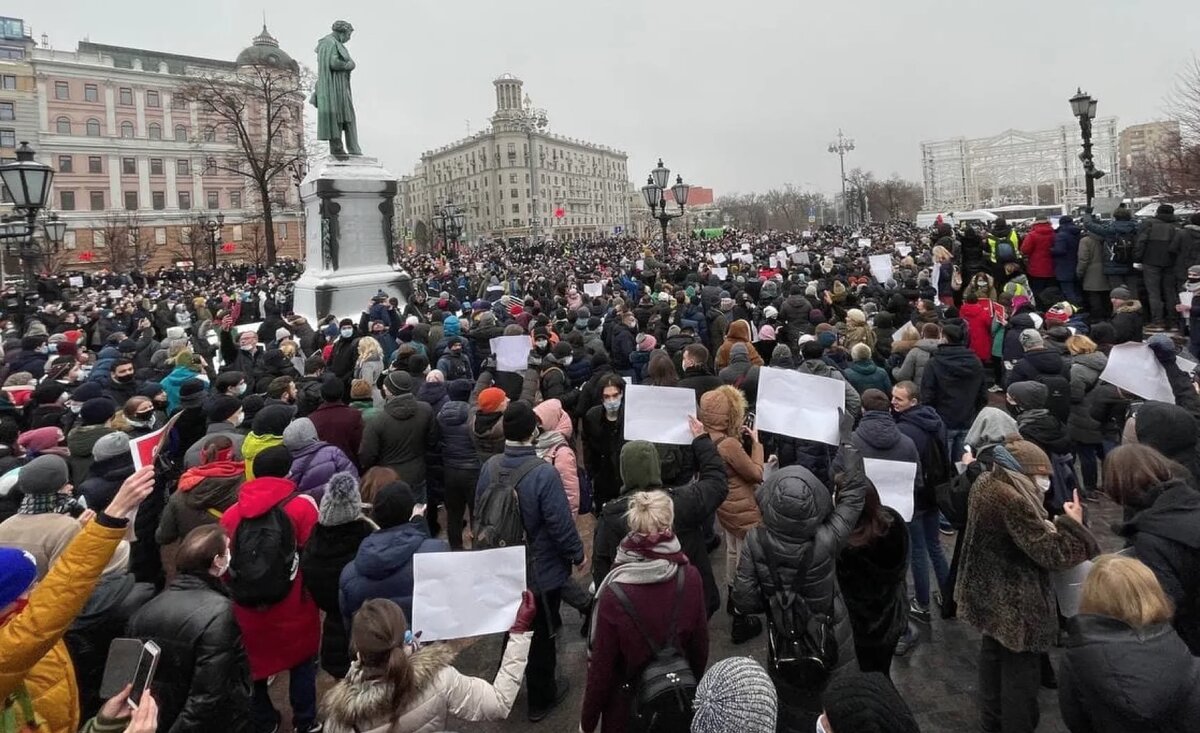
(332, 98)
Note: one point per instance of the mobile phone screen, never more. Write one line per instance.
(144, 674)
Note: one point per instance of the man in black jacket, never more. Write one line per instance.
(696, 374)
(1159, 241)
(953, 384)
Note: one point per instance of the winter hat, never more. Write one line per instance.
(735, 696)
(459, 390)
(190, 392)
(1029, 395)
(272, 420)
(646, 342)
(176, 332)
(399, 383)
(18, 570)
(87, 391)
(48, 392)
(43, 476)
(220, 408)
(1032, 459)
(1059, 314)
(519, 422)
(487, 319)
(1120, 293)
(97, 411)
(1031, 339)
(282, 333)
(781, 351)
(331, 390)
(770, 312)
(859, 702)
(1163, 347)
(299, 434)
(1156, 425)
(435, 375)
(673, 331)
(641, 466)
(111, 446)
(275, 462)
(393, 505)
(40, 440)
(491, 399)
(342, 502)
(360, 389)
(854, 316)
(150, 389)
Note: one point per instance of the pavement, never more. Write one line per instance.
(937, 679)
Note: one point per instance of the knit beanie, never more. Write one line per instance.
(299, 434)
(97, 411)
(111, 446)
(519, 422)
(854, 316)
(1029, 395)
(781, 351)
(641, 467)
(491, 399)
(393, 505)
(18, 570)
(459, 390)
(1032, 459)
(399, 383)
(735, 696)
(866, 703)
(40, 440)
(1120, 293)
(646, 342)
(87, 391)
(42, 476)
(190, 392)
(1031, 339)
(275, 462)
(342, 502)
(272, 420)
(221, 408)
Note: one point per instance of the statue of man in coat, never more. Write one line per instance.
(332, 98)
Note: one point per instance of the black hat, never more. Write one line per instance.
(272, 420)
(48, 392)
(190, 392)
(398, 383)
(459, 390)
(393, 505)
(275, 461)
(97, 411)
(519, 422)
(221, 408)
(128, 346)
(87, 391)
(332, 390)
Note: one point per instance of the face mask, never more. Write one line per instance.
(1043, 483)
(125, 378)
(612, 405)
(241, 389)
(540, 343)
(160, 404)
(221, 562)
(52, 348)
(981, 283)
(455, 352)
(1192, 285)
(75, 408)
(347, 333)
(567, 360)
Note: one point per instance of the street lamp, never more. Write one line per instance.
(841, 146)
(28, 183)
(656, 185)
(449, 222)
(212, 228)
(1083, 106)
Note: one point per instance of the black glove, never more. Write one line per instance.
(845, 426)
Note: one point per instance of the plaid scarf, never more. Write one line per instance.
(55, 503)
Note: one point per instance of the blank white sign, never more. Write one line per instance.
(803, 406)
(462, 594)
(659, 414)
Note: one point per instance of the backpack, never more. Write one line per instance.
(664, 689)
(1058, 398)
(498, 521)
(801, 644)
(265, 558)
(1005, 252)
(1121, 250)
(936, 469)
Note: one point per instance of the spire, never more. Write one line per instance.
(265, 38)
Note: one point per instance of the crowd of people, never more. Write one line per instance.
(302, 464)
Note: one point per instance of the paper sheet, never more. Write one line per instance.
(512, 353)
(718, 259)
(903, 249)
(659, 414)
(1185, 298)
(881, 267)
(722, 273)
(895, 481)
(800, 258)
(593, 290)
(935, 276)
(640, 264)
(800, 405)
(1186, 365)
(838, 253)
(864, 243)
(462, 594)
(1134, 368)
(75, 281)
(114, 294)
(745, 248)
(1068, 585)
(791, 249)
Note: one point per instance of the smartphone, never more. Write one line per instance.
(123, 655)
(147, 664)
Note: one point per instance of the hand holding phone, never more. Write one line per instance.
(144, 675)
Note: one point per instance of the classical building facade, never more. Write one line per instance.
(18, 92)
(516, 180)
(133, 156)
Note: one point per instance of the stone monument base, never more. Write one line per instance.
(349, 206)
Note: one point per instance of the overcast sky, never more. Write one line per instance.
(738, 96)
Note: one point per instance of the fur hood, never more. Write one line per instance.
(361, 704)
(1130, 306)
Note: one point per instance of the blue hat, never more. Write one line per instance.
(18, 570)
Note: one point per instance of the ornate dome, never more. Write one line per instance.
(266, 52)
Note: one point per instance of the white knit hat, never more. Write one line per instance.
(735, 696)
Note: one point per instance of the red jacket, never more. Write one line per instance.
(1036, 248)
(979, 318)
(340, 425)
(618, 648)
(288, 633)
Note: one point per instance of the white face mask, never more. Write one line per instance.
(347, 333)
(1043, 483)
(221, 562)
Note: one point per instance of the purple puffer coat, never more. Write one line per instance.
(313, 466)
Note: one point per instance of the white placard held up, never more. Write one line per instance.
(75, 281)
(512, 353)
(718, 259)
(800, 258)
(722, 273)
(903, 249)
(593, 290)
(864, 243)
(838, 253)
(745, 248)
(791, 249)
(895, 481)
(806, 234)
(800, 405)
(461, 594)
(881, 267)
(659, 414)
(114, 294)
(1134, 368)
(772, 262)
(1185, 298)
(640, 265)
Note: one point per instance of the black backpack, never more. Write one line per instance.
(1121, 250)
(265, 558)
(1058, 395)
(936, 469)
(801, 643)
(498, 521)
(665, 688)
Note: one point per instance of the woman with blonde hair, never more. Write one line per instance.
(1125, 669)
(1087, 364)
(943, 261)
(396, 686)
(723, 413)
(369, 364)
(652, 597)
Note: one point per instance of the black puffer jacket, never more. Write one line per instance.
(103, 480)
(328, 551)
(1085, 376)
(1172, 431)
(1116, 679)
(399, 436)
(953, 385)
(203, 678)
(1165, 534)
(872, 580)
(457, 449)
(801, 524)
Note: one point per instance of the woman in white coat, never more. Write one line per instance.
(396, 687)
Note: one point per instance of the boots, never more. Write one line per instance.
(743, 627)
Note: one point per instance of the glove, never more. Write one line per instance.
(845, 426)
(525, 613)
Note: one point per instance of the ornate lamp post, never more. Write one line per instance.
(1083, 106)
(653, 191)
(212, 230)
(841, 146)
(28, 183)
(449, 221)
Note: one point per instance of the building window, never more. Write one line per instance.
(516, 208)
(210, 134)
(8, 111)
(97, 237)
(158, 200)
(185, 199)
(152, 99)
(178, 102)
(126, 129)
(129, 166)
(282, 229)
(156, 166)
(125, 97)
(131, 202)
(63, 126)
(95, 164)
(65, 164)
(235, 199)
(160, 235)
(91, 93)
(514, 193)
(66, 200)
(8, 81)
(237, 232)
(214, 199)
(93, 128)
(180, 134)
(154, 131)
(8, 138)
(62, 90)
(512, 177)
(97, 200)
(183, 167)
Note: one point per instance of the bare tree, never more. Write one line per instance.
(260, 109)
(192, 244)
(117, 242)
(254, 242)
(1178, 166)
(894, 199)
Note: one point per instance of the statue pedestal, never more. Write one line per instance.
(349, 205)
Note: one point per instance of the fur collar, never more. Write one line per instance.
(360, 704)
